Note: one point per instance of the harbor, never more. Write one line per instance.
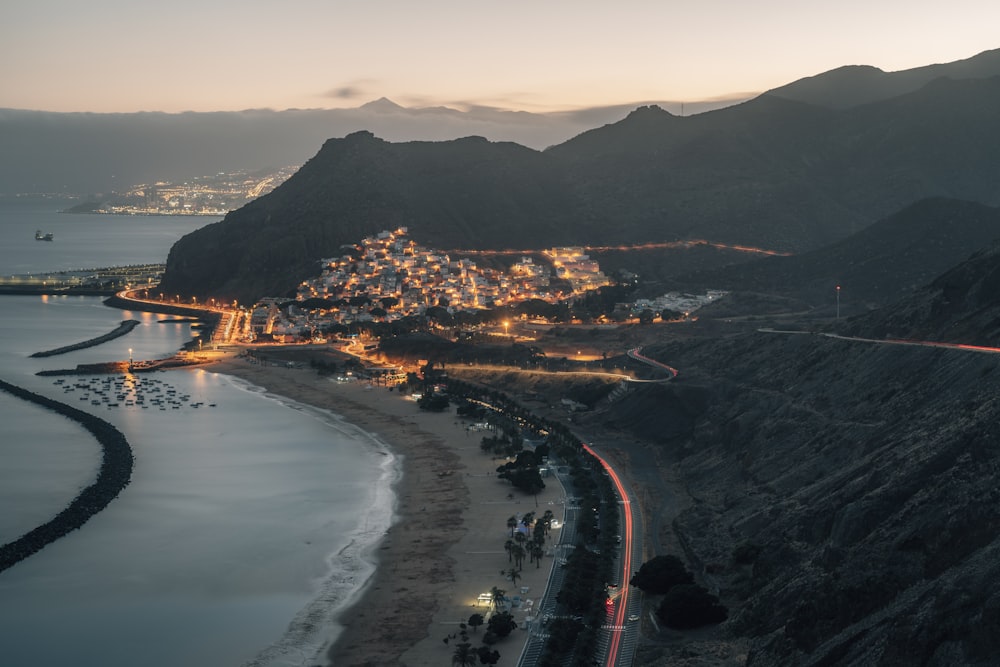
(89, 282)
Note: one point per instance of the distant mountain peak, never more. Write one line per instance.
(382, 105)
(649, 110)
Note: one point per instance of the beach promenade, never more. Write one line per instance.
(447, 544)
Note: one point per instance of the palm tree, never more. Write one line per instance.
(464, 656)
(519, 554)
(508, 545)
(512, 524)
(514, 576)
(499, 597)
(537, 552)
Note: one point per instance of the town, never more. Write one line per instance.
(389, 277)
(213, 195)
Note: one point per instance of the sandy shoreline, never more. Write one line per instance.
(446, 545)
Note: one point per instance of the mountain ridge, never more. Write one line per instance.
(854, 85)
(770, 172)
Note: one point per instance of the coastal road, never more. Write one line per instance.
(623, 633)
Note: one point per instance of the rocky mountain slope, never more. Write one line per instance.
(840, 495)
(876, 266)
(960, 306)
(770, 172)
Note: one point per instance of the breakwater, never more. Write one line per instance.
(122, 329)
(114, 475)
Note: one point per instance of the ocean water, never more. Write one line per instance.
(246, 524)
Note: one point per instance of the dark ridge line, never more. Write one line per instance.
(125, 327)
(114, 475)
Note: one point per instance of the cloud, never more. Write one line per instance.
(351, 90)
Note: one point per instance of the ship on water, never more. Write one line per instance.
(44, 236)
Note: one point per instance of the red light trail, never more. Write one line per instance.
(618, 619)
(690, 243)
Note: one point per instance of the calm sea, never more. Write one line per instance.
(245, 525)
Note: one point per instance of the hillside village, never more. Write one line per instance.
(388, 277)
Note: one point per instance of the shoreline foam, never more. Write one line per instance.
(445, 545)
(351, 567)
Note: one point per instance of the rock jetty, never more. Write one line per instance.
(114, 475)
(125, 327)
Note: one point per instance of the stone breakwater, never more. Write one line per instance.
(120, 330)
(114, 475)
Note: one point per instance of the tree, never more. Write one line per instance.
(475, 621)
(501, 624)
(488, 657)
(464, 656)
(433, 402)
(546, 520)
(512, 524)
(537, 552)
(519, 554)
(508, 546)
(688, 606)
(661, 573)
(514, 576)
(499, 597)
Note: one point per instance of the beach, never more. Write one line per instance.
(446, 544)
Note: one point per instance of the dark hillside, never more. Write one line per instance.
(876, 266)
(463, 193)
(960, 306)
(863, 477)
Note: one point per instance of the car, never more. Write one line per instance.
(633, 617)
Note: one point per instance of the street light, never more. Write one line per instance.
(838, 302)
(506, 327)
(130, 360)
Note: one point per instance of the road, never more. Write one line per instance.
(622, 633)
(891, 341)
(634, 353)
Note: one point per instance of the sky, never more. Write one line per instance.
(542, 55)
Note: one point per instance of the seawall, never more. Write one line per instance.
(114, 475)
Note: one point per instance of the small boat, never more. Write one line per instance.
(44, 236)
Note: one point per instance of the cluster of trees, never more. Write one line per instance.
(520, 544)
(523, 472)
(434, 401)
(499, 625)
(503, 446)
(685, 604)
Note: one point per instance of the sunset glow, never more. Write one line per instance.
(211, 56)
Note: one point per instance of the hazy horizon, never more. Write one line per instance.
(209, 56)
